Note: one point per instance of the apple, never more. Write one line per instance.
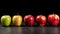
(53, 19)
(29, 20)
(41, 20)
(17, 20)
(6, 20)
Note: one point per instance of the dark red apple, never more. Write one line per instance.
(41, 20)
(53, 19)
(29, 19)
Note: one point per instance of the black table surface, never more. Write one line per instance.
(29, 30)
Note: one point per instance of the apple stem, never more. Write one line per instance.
(53, 12)
(41, 13)
(17, 13)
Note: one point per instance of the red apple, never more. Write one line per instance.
(41, 20)
(53, 19)
(29, 19)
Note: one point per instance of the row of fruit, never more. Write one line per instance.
(53, 19)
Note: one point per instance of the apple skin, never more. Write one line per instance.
(53, 19)
(29, 20)
(17, 20)
(6, 20)
(41, 20)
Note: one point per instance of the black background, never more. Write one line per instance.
(28, 7)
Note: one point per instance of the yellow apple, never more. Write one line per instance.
(17, 20)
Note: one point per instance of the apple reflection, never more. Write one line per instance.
(37, 30)
(28, 30)
(5, 30)
(31, 30)
(43, 30)
(40, 30)
(16, 30)
(52, 30)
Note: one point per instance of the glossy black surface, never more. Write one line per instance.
(29, 30)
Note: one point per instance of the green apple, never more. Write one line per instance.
(6, 20)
